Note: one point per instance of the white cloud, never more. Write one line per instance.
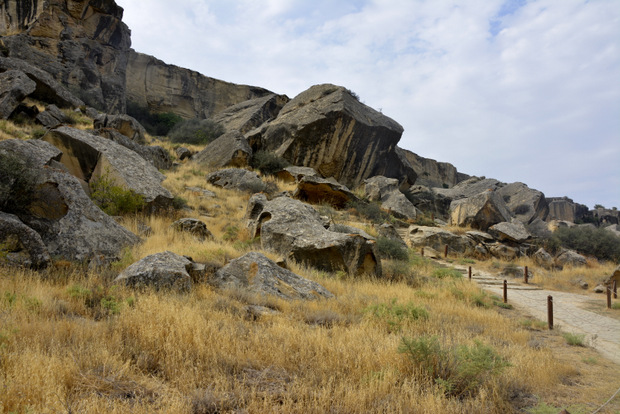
(520, 91)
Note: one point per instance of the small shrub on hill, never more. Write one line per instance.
(17, 183)
(370, 211)
(395, 314)
(196, 131)
(155, 124)
(113, 199)
(268, 163)
(391, 249)
(587, 240)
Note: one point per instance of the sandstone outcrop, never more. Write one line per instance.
(295, 230)
(164, 270)
(513, 231)
(432, 173)
(125, 124)
(90, 157)
(388, 231)
(437, 238)
(237, 179)
(387, 192)
(14, 87)
(294, 174)
(565, 209)
(228, 150)
(20, 245)
(247, 115)
(83, 45)
(154, 154)
(328, 129)
(258, 274)
(316, 190)
(524, 203)
(426, 200)
(160, 87)
(470, 188)
(52, 117)
(543, 259)
(480, 211)
(570, 258)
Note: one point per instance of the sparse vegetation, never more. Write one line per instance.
(268, 163)
(587, 240)
(155, 124)
(195, 131)
(391, 249)
(574, 339)
(113, 199)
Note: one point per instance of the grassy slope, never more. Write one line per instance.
(71, 341)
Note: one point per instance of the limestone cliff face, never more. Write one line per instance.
(167, 88)
(564, 208)
(82, 43)
(432, 173)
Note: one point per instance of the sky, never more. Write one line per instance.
(517, 90)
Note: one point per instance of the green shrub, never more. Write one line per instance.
(113, 199)
(391, 249)
(458, 371)
(442, 273)
(395, 314)
(17, 183)
(155, 124)
(196, 131)
(268, 163)
(370, 211)
(587, 240)
(574, 339)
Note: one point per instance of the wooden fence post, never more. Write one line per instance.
(505, 291)
(615, 290)
(445, 252)
(608, 290)
(525, 275)
(550, 311)
(469, 272)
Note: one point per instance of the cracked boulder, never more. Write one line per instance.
(480, 211)
(14, 87)
(164, 270)
(228, 150)
(20, 245)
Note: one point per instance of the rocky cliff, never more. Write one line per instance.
(83, 44)
(167, 88)
(432, 173)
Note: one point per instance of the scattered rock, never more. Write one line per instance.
(21, 245)
(432, 253)
(437, 238)
(52, 117)
(480, 236)
(386, 190)
(229, 150)
(514, 231)
(257, 273)
(470, 188)
(295, 230)
(424, 199)
(600, 289)
(480, 211)
(543, 259)
(183, 153)
(165, 270)
(195, 227)
(502, 251)
(295, 174)
(201, 192)
(317, 190)
(250, 114)
(525, 203)
(343, 228)
(237, 179)
(388, 231)
(156, 155)
(125, 124)
(14, 87)
(570, 258)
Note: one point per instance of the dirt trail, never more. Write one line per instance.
(569, 315)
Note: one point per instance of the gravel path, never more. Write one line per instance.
(569, 315)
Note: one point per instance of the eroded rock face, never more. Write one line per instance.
(524, 203)
(514, 231)
(570, 258)
(480, 211)
(246, 116)
(565, 209)
(257, 273)
(164, 270)
(387, 192)
(432, 173)
(160, 87)
(82, 44)
(437, 238)
(237, 179)
(20, 245)
(294, 174)
(228, 150)
(296, 231)
(90, 157)
(52, 117)
(328, 129)
(470, 188)
(14, 87)
(125, 124)
(318, 190)
(154, 154)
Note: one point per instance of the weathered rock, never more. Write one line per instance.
(295, 230)
(480, 236)
(317, 190)
(160, 87)
(606, 217)
(343, 228)
(156, 155)
(14, 87)
(47, 88)
(553, 225)
(52, 117)
(470, 188)
(386, 190)
(543, 259)
(328, 129)
(437, 238)
(502, 251)
(570, 258)
(21, 245)
(165, 270)
(229, 150)
(432, 173)
(564, 209)
(183, 153)
(539, 228)
(125, 124)
(388, 231)
(525, 203)
(480, 211)
(90, 157)
(431, 253)
(600, 289)
(516, 271)
(83, 45)
(294, 174)
(424, 199)
(237, 179)
(257, 273)
(378, 188)
(514, 231)
(247, 115)
(193, 226)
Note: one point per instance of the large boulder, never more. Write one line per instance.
(294, 174)
(480, 211)
(565, 209)
(125, 124)
(14, 87)
(295, 230)
(237, 179)
(161, 87)
(52, 117)
(524, 203)
(386, 190)
(437, 238)
(317, 190)
(90, 157)
(21, 245)
(228, 150)
(543, 259)
(258, 274)
(158, 156)
(427, 200)
(47, 88)
(165, 270)
(250, 114)
(570, 258)
(432, 173)
(329, 129)
(82, 44)
(513, 231)
(470, 188)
